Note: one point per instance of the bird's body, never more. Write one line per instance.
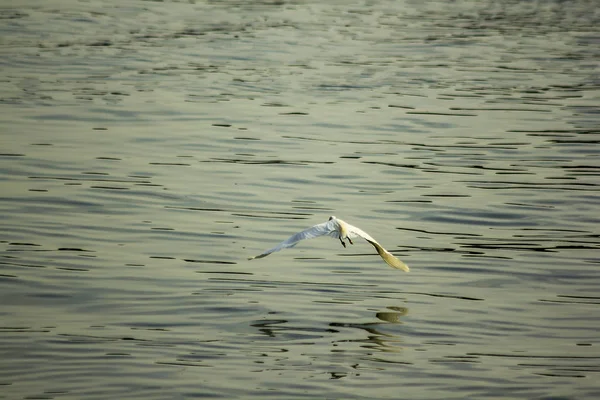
(341, 230)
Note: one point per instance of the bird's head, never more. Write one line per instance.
(332, 217)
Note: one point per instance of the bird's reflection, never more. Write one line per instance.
(392, 316)
(376, 338)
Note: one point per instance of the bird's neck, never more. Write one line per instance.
(343, 229)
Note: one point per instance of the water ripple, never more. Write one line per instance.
(158, 148)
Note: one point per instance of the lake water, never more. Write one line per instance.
(149, 148)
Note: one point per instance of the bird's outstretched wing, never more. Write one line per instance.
(353, 231)
(326, 228)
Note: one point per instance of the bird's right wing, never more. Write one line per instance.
(388, 257)
(326, 228)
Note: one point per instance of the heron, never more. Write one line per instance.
(341, 230)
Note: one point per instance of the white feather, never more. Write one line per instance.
(341, 230)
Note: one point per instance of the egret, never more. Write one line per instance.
(341, 230)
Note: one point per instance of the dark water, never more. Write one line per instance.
(149, 148)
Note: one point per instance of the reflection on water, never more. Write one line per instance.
(162, 144)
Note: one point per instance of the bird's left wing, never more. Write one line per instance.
(388, 257)
(326, 228)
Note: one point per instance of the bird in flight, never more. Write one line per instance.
(341, 230)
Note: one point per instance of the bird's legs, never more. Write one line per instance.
(343, 243)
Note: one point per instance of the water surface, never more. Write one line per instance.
(149, 148)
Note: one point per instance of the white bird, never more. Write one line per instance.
(342, 230)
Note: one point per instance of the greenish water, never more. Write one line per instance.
(149, 148)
